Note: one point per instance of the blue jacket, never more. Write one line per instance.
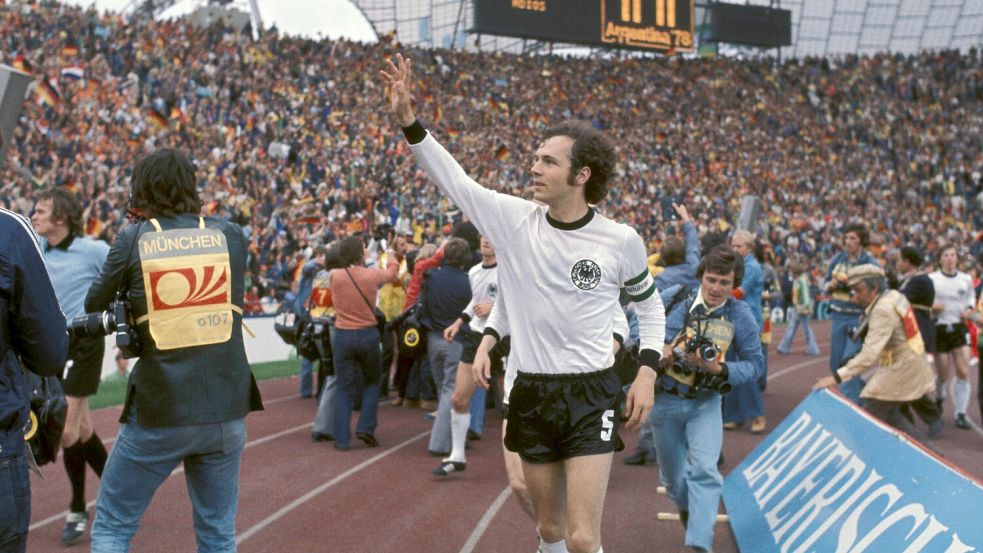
(32, 326)
(305, 286)
(744, 360)
(840, 265)
(685, 272)
(446, 292)
(752, 285)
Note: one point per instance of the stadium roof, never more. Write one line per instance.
(819, 27)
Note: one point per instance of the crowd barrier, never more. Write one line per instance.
(832, 478)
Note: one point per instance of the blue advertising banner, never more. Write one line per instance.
(831, 478)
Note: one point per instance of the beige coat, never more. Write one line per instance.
(903, 374)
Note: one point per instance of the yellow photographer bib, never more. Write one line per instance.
(188, 281)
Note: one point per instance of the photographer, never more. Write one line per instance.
(844, 312)
(893, 341)
(73, 262)
(30, 339)
(714, 340)
(191, 389)
(305, 294)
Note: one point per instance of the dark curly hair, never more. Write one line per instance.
(912, 255)
(592, 149)
(861, 231)
(720, 261)
(65, 206)
(163, 184)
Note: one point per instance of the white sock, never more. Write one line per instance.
(600, 550)
(960, 395)
(556, 547)
(459, 434)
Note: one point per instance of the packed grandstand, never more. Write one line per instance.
(292, 141)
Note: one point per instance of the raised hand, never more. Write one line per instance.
(398, 79)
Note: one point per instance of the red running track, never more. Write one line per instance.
(298, 496)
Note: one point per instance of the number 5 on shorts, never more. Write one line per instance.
(607, 425)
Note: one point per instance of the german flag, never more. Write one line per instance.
(453, 133)
(177, 114)
(438, 113)
(502, 153)
(766, 331)
(93, 227)
(48, 94)
(69, 50)
(22, 64)
(157, 118)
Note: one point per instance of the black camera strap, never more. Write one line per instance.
(125, 289)
(371, 307)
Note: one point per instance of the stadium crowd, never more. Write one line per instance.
(290, 139)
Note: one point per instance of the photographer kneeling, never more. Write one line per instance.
(714, 345)
(191, 389)
(902, 377)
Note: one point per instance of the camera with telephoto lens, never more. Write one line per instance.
(115, 319)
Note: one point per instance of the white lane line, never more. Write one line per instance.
(485, 521)
(178, 470)
(286, 509)
(280, 399)
(974, 426)
(796, 367)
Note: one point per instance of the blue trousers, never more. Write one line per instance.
(841, 347)
(419, 383)
(142, 458)
(477, 410)
(324, 418)
(688, 437)
(355, 353)
(15, 493)
(795, 321)
(306, 377)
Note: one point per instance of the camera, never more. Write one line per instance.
(116, 319)
(704, 346)
(859, 333)
(692, 377)
(381, 232)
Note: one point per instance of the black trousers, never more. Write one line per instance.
(894, 413)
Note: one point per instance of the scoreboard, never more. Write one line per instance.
(653, 25)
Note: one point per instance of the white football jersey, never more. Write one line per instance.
(559, 281)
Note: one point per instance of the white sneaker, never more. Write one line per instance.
(74, 528)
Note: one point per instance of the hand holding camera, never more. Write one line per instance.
(118, 318)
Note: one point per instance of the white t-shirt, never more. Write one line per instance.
(955, 293)
(484, 289)
(560, 282)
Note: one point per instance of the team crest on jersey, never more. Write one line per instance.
(586, 274)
